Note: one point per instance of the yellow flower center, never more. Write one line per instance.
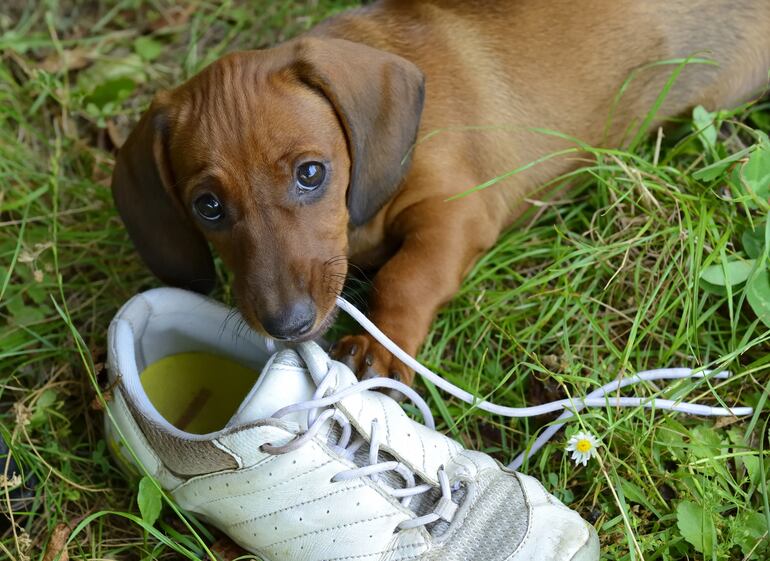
(584, 446)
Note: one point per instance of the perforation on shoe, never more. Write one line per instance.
(320, 410)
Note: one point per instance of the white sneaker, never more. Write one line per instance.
(303, 461)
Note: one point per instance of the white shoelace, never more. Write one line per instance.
(320, 409)
(570, 407)
(346, 446)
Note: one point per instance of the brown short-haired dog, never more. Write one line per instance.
(292, 160)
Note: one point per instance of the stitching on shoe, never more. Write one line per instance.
(191, 479)
(136, 432)
(452, 453)
(390, 550)
(415, 555)
(387, 424)
(139, 334)
(317, 499)
(424, 454)
(265, 489)
(469, 457)
(361, 409)
(329, 432)
(226, 450)
(425, 541)
(187, 486)
(338, 527)
(390, 446)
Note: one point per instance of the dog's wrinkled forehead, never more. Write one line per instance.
(248, 114)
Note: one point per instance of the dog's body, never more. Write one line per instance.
(497, 76)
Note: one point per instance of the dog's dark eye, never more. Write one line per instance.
(208, 207)
(310, 175)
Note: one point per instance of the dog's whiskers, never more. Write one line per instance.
(232, 313)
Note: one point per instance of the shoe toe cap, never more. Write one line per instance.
(555, 532)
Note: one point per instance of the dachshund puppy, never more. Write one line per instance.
(346, 144)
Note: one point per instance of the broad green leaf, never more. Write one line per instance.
(764, 139)
(149, 500)
(744, 457)
(21, 42)
(756, 172)
(713, 288)
(38, 294)
(24, 314)
(753, 467)
(120, 71)
(754, 241)
(148, 48)
(750, 532)
(711, 172)
(696, 526)
(758, 295)
(732, 273)
(111, 91)
(767, 233)
(634, 494)
(703, 123)
(46, 400)
(705, 444)
(760, 119)
(553, 479)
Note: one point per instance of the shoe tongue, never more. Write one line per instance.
(284, 381)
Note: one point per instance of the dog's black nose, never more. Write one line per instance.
(291, 321)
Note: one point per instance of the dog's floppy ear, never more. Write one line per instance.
(142, 186)
(378, 97)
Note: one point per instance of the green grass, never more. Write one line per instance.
(597, 282)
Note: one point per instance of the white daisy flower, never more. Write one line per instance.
(583, 446)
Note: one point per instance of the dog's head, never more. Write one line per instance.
(269, 156)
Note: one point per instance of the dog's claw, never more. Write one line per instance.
(350, 362)
(368, 359)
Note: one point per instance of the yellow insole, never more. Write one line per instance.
(197, 392)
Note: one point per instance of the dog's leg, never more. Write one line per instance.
(440, 242)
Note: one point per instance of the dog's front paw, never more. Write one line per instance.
(367, 358)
